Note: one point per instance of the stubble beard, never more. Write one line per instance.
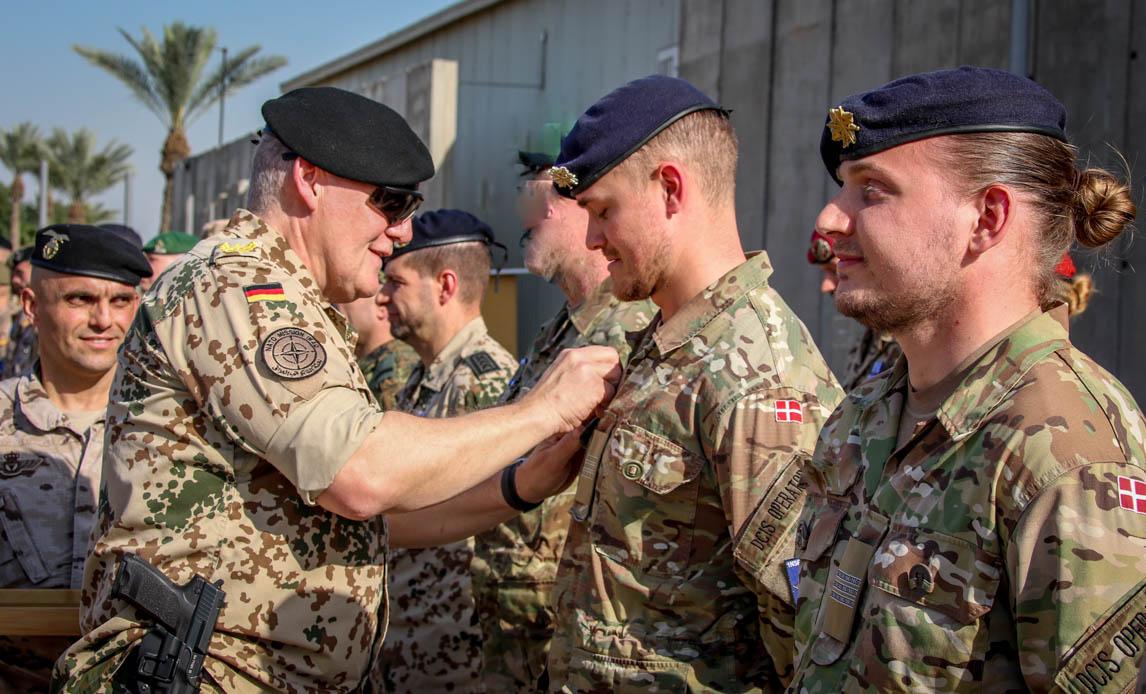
(639, 283)
(883, 311)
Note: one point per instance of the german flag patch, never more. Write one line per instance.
(264, 292)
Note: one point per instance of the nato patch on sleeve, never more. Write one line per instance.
(293, 353)
(481, 363)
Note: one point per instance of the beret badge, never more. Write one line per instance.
(52, 247)
(821, 251)
(160, 247)
(563, 177)
(842, 125)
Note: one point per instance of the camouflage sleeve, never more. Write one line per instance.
(1076, 563)
(760, 443)
(238, 359)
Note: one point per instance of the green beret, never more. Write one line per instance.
(171, 243)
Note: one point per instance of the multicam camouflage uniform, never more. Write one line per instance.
(387, 369)
(676, 581)
(50, 470)
(515, 564)
(1000, 549)
(236, 403)
(434, 643)
(873, 354)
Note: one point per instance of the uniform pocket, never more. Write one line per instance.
(646, 507)
(599, 674)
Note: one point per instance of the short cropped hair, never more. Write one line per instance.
(470, 261)
(268, 172)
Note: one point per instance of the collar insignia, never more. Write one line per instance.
(843, 127)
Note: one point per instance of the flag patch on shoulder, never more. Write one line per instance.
(1132, 494)
(264, 292)
(789, 411)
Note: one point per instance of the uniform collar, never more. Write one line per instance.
(444, 364)
(990, 379)
(701, 309)
(33, 402)
(596, 304)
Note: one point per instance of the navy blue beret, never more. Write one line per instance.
(21, 254)
(444, 227)
(349, 136)
(79, 249)
(945, 102)
(620, 123)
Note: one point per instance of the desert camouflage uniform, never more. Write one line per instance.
(434, 642)
(515, 564)
(989, 553)
(22, 348)
(213, 464)
(387, 369)
(49, 478)
(676, 581)
(873, 354)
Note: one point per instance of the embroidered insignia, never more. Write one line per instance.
(264, 292)
(52, 247)
(821, 251)
(228, 247)
(13, 465)
(1132, 494)
(793, 567)
(789, 411)
(563, 177)
(293, 353)
(843, 127)
(481, 363)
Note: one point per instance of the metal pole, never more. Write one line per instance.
(189, 213)
(222, 96)
(43, 193)
(1020, 37)
(127, 199)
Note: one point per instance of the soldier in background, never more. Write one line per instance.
(674, 573)
(386, 362)
(81, 297)
(20, 352)
(165, 249)
(515, 564)
(975, 515)
(433, 293)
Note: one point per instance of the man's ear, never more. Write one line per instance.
(995, 214)
(670, 177)
(447, 281)
(28, 300)
(303, 182)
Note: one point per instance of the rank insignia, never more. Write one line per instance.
(563, 177)
(293, 353)
(481, 363)
(52, 247)
(228, 247)
(264, 292)
(843, 126)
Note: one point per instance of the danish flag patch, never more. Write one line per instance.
(1132, 494)
(790, 411)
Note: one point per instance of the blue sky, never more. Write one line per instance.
(47, 83)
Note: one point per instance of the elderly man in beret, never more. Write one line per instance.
(20, 350)
(976, 515)
(433, 292)
(82, 298)
(674, 572)
(245, 451)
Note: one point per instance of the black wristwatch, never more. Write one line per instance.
(509, 489)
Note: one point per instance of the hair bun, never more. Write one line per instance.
(1103, 207)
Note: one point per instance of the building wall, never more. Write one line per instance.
(780, 64)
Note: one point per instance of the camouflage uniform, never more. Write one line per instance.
(434, 643)
(873, 354)
(992, 552)
(387, 369)
(213, 464)
(676, 581)
(515, 564)
(22, 349)
(49, 476)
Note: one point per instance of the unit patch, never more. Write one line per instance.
(293, 353)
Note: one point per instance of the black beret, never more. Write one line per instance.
(534, 162)
(78, 249)
(5, 243)
(620, 123)
(21, 254)
(349, 136)
(124, 232)
(445, 227)
(945, 102)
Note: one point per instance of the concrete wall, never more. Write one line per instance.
(780, 64)
(211, 185)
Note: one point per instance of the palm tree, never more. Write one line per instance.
(20, 151)
(169, 79)
(79, 171)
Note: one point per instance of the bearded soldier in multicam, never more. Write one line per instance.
(975, 519)
(674, 575)
(386, 369)
(435, 642)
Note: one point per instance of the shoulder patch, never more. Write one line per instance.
(272, 291)
(293, 353)
(481, 363)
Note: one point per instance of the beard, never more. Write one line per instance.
(886, 311)
(638, 281)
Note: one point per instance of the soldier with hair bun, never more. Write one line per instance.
(976, 515)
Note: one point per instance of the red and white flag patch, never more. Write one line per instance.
(1132, 494)
(789, 411)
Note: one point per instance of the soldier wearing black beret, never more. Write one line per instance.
(974, 514)
(80, 299)
(247, 448)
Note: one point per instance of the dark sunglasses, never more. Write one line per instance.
(396, 204)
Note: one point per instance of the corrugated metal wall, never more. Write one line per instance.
(780, 64)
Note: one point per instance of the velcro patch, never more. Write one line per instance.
(1106, 659)
(481, 363)
(1132, 494)
(789, 411)
(293, 353)
(264, 292)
